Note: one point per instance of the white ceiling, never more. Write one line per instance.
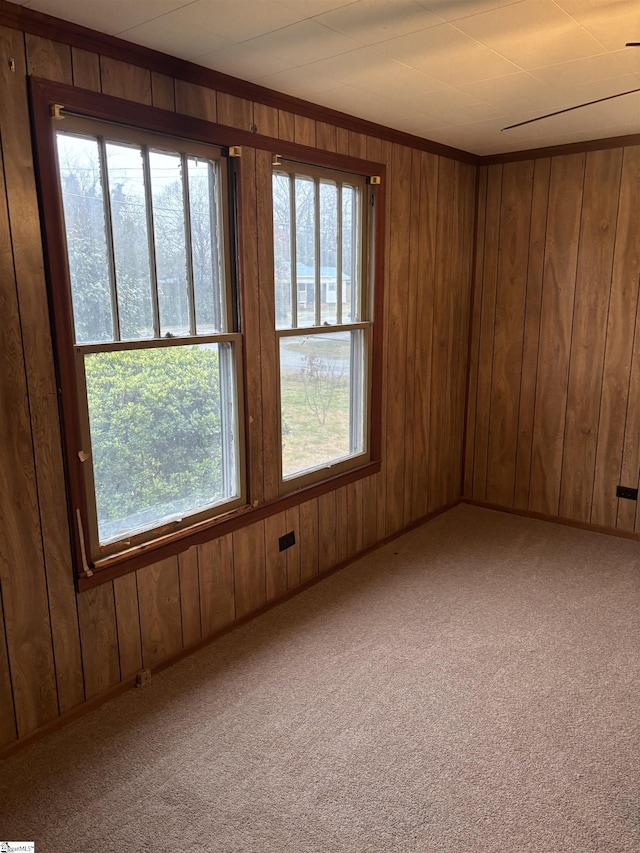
(453, 71)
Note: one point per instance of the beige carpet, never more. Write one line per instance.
(471, 687)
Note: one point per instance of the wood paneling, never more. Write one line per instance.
(576, 226)
(50, 59)
(309, 556)
(293, 553)
(217, 584)
(249, 569)
(162, 91)
(8, 732)
(529, 374)
(52, 595)
(235, 112)
(86, 69)
(125, 80)
(58, 648)
(266, 120)
(424, 333)
(400, 190)
(275, 560)
(326, 531)
(190, 596)
(160, 616)
(125, 592)
(196, 101)
(593, 286)
(100, 658)
(515, 213)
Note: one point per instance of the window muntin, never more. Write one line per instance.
(323, 326)
(157, 361)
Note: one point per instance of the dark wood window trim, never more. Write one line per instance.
(44, 96)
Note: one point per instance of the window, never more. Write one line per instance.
(156, 352)
(157, 333)
(323, 310)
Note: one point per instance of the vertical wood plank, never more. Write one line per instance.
(424, 334)
(8, 731)
(487, 322)
(561, 254)
(515, 214)
(537, 232)
(160, 617)
(249, 568)
(189, 596)
(266, 120)
(474, 355)
(327, 531)
(464, 250)
(441, 426)
(234, 111)
(22, 206)
(86, 69)
(342, 523)
(358, 144)
(304, 130)
(163, 93)
(326, 136)
(125, 595)
(268, 343)
(124, 80)
(100, 660)
(354, 514)
(308, 539)
(196, 101)
(275, 526)
(623, 306)
(342, 140)
(293, 553)
(397, 352)
(22, 577)
(369, 512)
(379, 151)
(48, 59)
(411, 320)
(217, 584)
(593, 285)
(286, 126)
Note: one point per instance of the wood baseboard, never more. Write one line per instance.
(556, 519)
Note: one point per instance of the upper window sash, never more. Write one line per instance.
(320, 219)
(151, 208)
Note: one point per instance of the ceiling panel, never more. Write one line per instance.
(455, 71)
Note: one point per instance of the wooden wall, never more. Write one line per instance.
(554, 393)
(59, 649)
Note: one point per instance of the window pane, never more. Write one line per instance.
(306, 251)
(130, 240)
(350, 256)
(85, 227)
(169, 232)
(328, 226)
(322, 400)
(156, 418)
(206, 245)
(282, 250)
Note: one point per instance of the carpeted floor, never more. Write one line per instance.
(471, 688)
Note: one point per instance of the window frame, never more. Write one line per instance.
(106, 133)
(363, 322)
(252, 303)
